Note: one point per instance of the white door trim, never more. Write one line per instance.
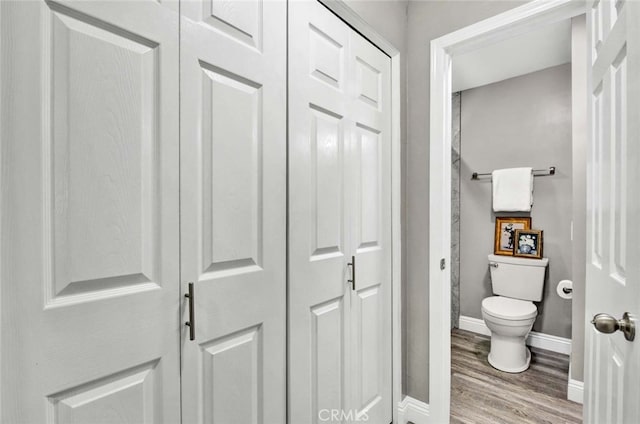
(1, 203)
(412, 410)
(344, 12)
(575, 391)
(506, 25)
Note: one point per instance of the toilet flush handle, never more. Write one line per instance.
(493, 264)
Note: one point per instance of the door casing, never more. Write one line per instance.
(509, 24)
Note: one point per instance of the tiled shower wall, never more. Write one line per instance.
(455, 209)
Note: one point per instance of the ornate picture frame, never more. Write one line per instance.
(528, 244)
(506, 226)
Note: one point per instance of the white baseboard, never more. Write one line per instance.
(474, 325)
(575, 391)
(539, 340)
(413, 410)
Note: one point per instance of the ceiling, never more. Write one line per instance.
(540, 49)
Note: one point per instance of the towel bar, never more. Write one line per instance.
(536, 173)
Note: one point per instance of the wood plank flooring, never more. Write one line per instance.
(481, 394)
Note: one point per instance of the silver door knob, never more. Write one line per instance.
(607, 324)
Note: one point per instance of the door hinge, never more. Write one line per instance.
(442, 264)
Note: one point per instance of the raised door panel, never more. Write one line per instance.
(369, 83)
(619, 186)
(102, 159)
(369, 353)
(369, 150)
(327, 182)
(598, 182)
(607, 366)
(129, 396)
(90, 147)
(233, 209)
(326, 57)
(232, 172)
(328, 358)
(232, 373)
(241, 20)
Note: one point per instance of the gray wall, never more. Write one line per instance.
(389, 19)
(579, 94)
(523, 121)
(427, 20)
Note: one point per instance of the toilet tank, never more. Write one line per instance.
(518, 278)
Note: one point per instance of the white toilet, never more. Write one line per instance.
(510, 314)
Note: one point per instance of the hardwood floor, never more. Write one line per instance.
(481, 394)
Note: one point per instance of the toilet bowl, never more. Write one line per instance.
(510, 313)
(510, 321)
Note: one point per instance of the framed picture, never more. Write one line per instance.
(528, 244)
(505, 233)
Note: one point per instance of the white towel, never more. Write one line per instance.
(512, 190)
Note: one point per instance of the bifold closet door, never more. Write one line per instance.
(90, 212)
(370, 226)
(233, 210)
(319, 301)
(339, 208)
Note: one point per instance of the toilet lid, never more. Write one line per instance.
(507, 308)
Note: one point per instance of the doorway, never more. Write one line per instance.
(505, 124)
(443, 51)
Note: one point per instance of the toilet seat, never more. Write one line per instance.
(508, 308)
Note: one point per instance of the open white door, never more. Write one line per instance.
(90, 276)
(233, 209)
(612, 369)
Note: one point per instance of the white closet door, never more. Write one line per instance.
(318, 228)
(370, 226)
(233, 210)
(339, 207)
(90, 277)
